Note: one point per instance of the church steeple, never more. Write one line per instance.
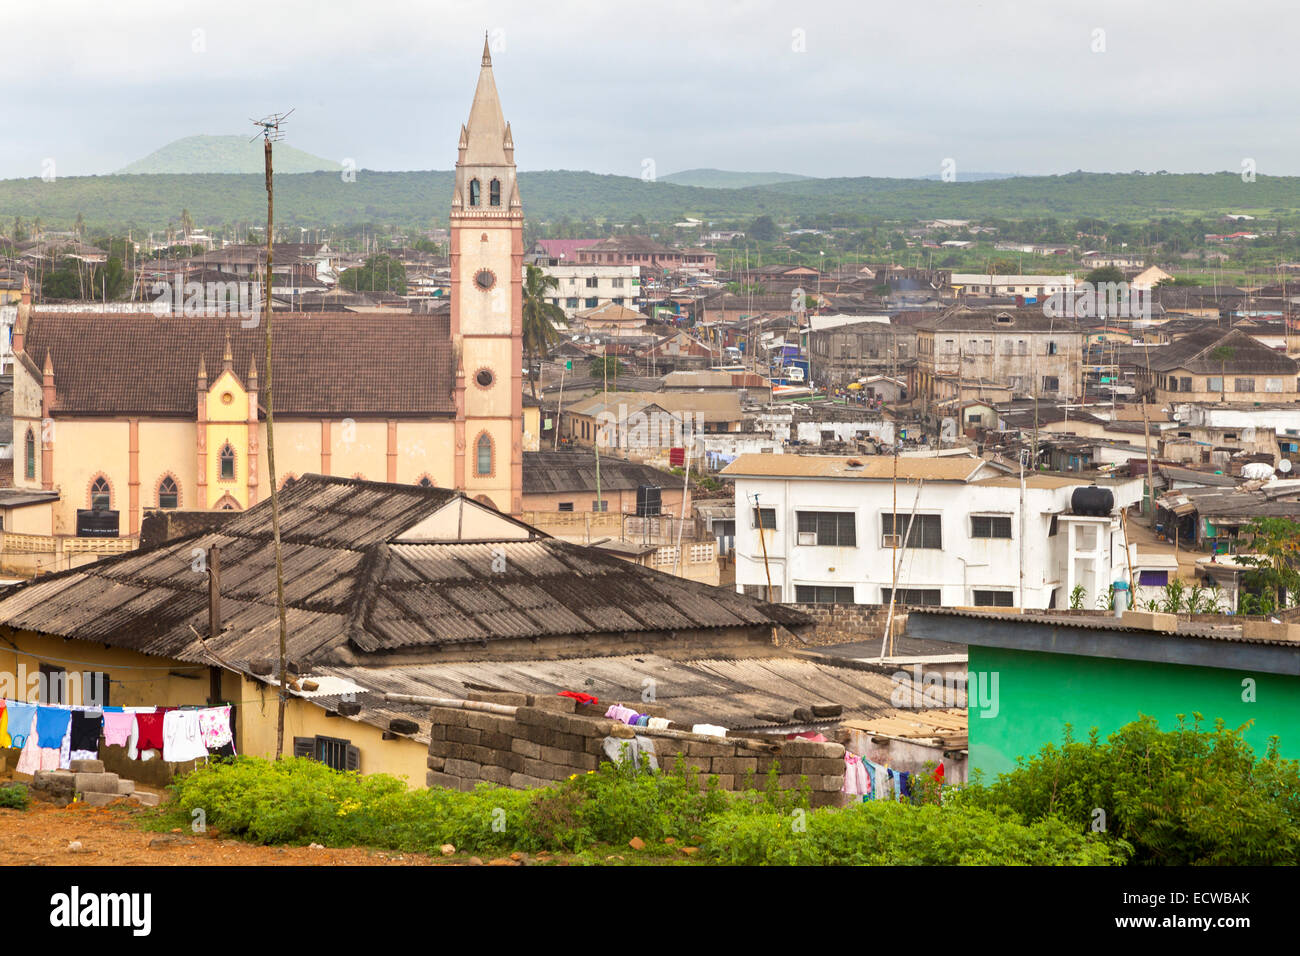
(485, 162)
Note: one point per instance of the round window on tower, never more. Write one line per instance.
(484, 279)
(484, 378)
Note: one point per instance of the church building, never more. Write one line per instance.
(123, 412)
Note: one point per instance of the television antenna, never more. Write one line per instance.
(270, 129)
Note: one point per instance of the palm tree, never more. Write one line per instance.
(539, 316)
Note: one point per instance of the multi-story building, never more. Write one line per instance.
(1214, 365)
(584, 287)
(1009, 285)
(842, 354)
(945, 531)
(1036, 355)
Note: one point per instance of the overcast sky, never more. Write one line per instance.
(848, 88)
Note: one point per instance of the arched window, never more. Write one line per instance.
(474, 190)
(226, 461)
(30, 448)
(169, 493)
(101, 496)
(494, 192)
(483, 455)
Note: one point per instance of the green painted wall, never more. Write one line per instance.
(1038, 694)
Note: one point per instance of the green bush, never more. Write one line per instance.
(886, 833)
(1179, 797)
(14, 796)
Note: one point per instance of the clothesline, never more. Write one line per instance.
(51, 735)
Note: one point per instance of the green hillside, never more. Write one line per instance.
(727, 179)
(224, 154)
(422, 198)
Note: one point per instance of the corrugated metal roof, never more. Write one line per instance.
(732, 693)
(1227, 630)
(345, 582)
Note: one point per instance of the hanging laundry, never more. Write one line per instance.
(4, 724)
(658, 723)
(51, 724)
(21, 719)
(711, 730)
(149, 731)
(580, 698)
(117, 728)
(182, 741)
(86, 730)
(214, 726)
(904, 786)
(856, 779)
(29, 761)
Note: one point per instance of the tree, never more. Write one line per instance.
(539, 316)
(604, 366)
(762, 229)
(381, 273)
(1275, 563)
(1104, 274)
(187, 223)
(1225, 354)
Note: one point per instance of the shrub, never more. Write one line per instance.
(886, 833)
(1179, 797)
(14, 796)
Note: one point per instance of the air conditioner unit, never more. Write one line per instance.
(892, 541)
(807, 537)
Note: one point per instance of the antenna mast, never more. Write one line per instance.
(271, 130)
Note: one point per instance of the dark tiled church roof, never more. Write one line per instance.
(325, 364)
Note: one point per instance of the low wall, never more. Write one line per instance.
(846, 623)
(549, 741)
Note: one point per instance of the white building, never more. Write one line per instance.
(976, 538)
(583, 287)
(978, 283)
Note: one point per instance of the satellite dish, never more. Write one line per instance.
(1284, 465)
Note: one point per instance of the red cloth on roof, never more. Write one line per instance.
(580, 698)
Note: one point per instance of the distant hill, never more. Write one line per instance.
(422, 199)
(727, 179)
(964, 177)
(224, 154)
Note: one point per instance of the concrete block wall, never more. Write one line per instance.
(543, 742)
(846, 623)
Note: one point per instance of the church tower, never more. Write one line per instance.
(487, 262)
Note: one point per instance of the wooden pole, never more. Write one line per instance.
(270, 457)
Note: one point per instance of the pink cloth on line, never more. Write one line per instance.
(117, 728)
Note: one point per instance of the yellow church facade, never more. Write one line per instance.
(132, 412)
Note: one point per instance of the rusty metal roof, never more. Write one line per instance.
(348, 583)
(739, 694)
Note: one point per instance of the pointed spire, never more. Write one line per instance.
(203, 373)
(252, 371)
(486, 129)
(48, 370)
(227, 360)
(487, 53)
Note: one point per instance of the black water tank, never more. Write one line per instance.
(648, 501)
(1092, 501)
(96, 524)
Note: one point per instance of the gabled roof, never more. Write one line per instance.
(370, 567)
(547, 472)
(325, 363)
(1194, 352)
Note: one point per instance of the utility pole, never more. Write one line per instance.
(272, 133)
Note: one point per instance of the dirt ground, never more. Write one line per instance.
(112, 836)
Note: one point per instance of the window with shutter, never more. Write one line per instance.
(304, 746)
(353, 758)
